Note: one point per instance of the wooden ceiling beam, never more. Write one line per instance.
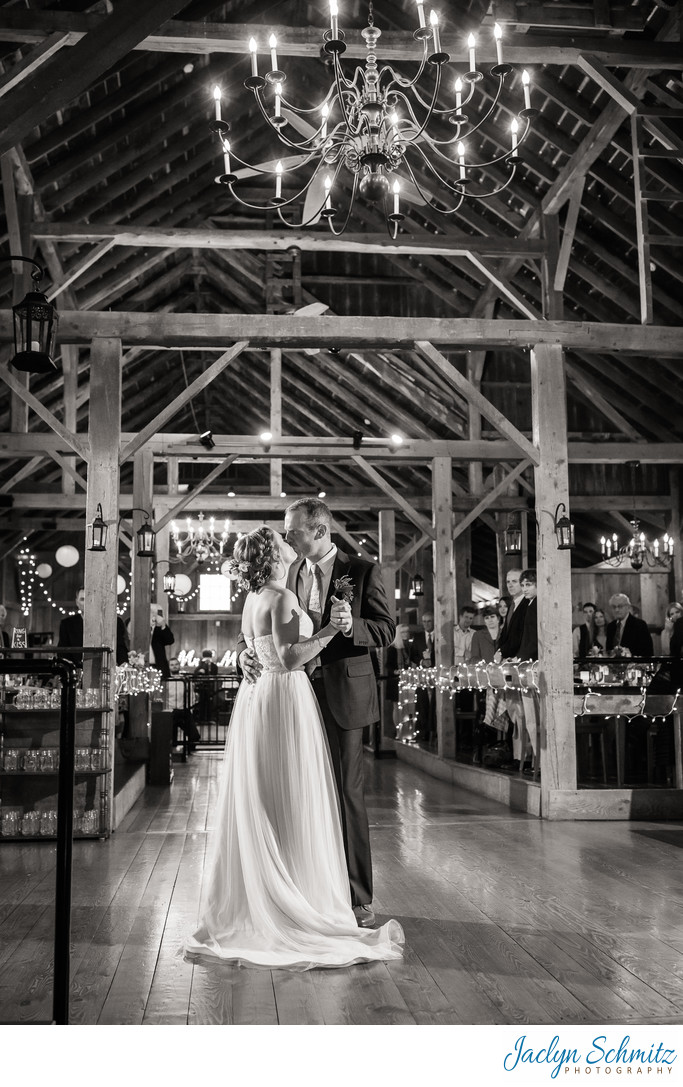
(71, 72)
(176, 36)
(451, 244)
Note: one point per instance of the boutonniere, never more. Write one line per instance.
(343, 588)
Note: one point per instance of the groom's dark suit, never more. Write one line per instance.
(346, 690)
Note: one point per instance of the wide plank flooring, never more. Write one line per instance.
(508, 919)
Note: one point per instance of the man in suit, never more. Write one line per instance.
(626, 635)
(510, 637)
(343, 677)
(421, 651)
(71, 633)
(3, 620)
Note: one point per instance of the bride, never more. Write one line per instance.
(277, 893)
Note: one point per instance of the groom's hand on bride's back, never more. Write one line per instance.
(250, 664)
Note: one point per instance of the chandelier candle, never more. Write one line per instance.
(254, 58)
(217, 104)
(421, 12)
(472, 45)
(334, 26)
(434, 20)
(272, 42)
(498, 35)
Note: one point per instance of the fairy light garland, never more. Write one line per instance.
(26, 562)
(131, 680)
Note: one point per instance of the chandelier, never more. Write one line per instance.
(639, 550)
(372, 130)
(203, 543)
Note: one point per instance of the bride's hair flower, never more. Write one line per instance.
(343, 588)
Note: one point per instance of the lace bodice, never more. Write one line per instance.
(264, 647)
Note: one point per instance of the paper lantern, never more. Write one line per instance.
(44, 570)
(182, 584)
(67, 555)
(120, 585)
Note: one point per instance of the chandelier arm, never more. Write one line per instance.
(492, 107)
(340, 78)
(402, 81)
(427, 197)
(330, 221)
(305, 146)
(430, 108)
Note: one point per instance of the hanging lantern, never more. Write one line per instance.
(35, 325)
(169, 583)
(564, 530)
(512, 540)
(146, 540)
(97, 532)
(417, 585)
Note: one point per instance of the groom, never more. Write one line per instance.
(342, 676)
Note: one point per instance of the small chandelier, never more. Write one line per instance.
(204, 543)
(35, 325)
(96, 532)
(376, 126)
(639, 550)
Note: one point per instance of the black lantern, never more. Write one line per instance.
(146, 540)
(35, 325)
(169, 583)
(512, 539)
(417, 585)
(97, 532)
(564, 529)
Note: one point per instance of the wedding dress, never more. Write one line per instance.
(278, 891)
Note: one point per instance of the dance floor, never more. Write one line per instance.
(508, 919)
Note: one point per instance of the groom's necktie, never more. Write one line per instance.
(315, 606)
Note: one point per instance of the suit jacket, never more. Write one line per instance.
(635, 636)
(676, 644)
(417, 648)
(71, 634)
(528, 646)
(161, 637)
(5, 639)
(347, 668)
(510, 638)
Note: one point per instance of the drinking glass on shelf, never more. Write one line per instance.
(96, 758)
(30, 761)
(90, 822)
(47, 759)
(30, 824)
(48, 823)
(82, 761)
(11, 759)
(10, 822)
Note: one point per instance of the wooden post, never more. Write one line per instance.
(675, 530)
(276, 417)
(172, 475)
(463, 570)
(558, 738)
(140, 592)
(387, 559)
(70, 379)
(444, 595)
(101, 567)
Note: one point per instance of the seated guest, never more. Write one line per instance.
(627, 636)
(580, 633)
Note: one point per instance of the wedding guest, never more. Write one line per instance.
(511, 635)
(397, 657)
(504, 605)
(206, 687)
(3, 619)
(483, 648)
(422, 653)
(593, 641)
(161, 635)
(581, 631)
(484, 639)
(627, 636)
(463, 633)
(528, 646)
(673, 613)
(71, 632)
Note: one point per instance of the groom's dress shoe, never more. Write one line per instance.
(364, 916)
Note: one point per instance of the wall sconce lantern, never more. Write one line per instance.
(564, 529)
(146, 539)
(97, 532)
(169, 583)
(417, 585)
(35, 325)
(512, 538)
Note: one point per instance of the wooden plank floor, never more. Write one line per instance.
(508, 920)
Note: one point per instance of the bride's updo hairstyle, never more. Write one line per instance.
(253, 558)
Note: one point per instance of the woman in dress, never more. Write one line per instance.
(593, 636)
(277, 893)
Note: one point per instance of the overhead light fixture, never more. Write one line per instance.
(512, 534)
(146, 537)
(357, 439)
(265, 437)
(374, 128)
(417, 585)
(35, 326)
(639, 551)
(322, 494)
(396, 439)
(169, 583)
(96, 532)
(204, 543)
(206, 440)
